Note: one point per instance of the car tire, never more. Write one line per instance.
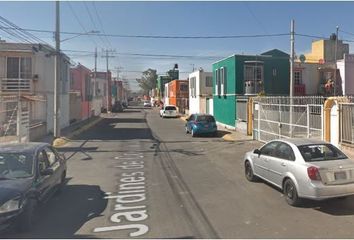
(62, 182)
(249, 172)
(290, 193)
(26, 219)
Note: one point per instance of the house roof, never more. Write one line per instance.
(270, 53)
(275, 53)
(28, 47)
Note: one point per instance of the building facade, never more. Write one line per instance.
(28, 70)
(200, 92)
(267, 73)
(81, 84)
(178, 94)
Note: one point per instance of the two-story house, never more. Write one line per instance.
(28, 71)
(201, 92)
(80, 85)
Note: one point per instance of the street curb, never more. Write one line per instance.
(228, 138)
(64, 140)
(183, 118)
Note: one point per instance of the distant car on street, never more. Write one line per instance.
(29, 175)
(168, 111)
(302, 168)
(201, 124)
(147, 104)
(117, 106)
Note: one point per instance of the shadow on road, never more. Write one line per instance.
(67, 212)
(109, 129)
(334, 206)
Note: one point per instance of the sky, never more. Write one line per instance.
(178, 19)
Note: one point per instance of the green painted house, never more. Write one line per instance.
(160, 85)
(247, 75)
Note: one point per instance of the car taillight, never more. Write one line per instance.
(313, 173)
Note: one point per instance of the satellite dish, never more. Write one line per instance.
(302, 58)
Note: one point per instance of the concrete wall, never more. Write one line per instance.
(75, 107)
(310, 77)
(346, 70)
(197, 104)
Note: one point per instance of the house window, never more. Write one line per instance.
(298, 77)
(19, 67)
(183, 87)
(218, 82)
(209, 81)
(193, 87)
(253, 75)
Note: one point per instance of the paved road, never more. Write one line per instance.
(137, 175)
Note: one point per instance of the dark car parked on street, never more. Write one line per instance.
(29, 175)
(117, 107)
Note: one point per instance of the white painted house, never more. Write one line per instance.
(346, 70)
(28, 70)
(201, 92)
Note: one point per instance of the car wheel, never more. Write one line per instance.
(62, 182)
(187, 130)
(290, 193)
(26, 219)
(193, 133)
(249, 172)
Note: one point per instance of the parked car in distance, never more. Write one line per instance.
(117, 107)
(29, 175)
(168, 111)
(198, 124)
(147, 103)
(302, 168)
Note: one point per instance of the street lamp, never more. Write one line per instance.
(80, 34)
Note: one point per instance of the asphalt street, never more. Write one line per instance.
(135, 174)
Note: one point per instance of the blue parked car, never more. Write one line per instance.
(201, 124)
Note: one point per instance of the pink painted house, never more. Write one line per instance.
(81, 90)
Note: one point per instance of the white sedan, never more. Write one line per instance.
(302, 168)
(168, 111)
(147, 104)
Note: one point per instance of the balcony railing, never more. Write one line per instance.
(299, 90)
(15, 85)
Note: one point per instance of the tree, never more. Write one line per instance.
(148, 79)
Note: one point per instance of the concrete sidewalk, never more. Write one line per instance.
(71, 131)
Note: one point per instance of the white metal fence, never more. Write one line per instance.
(346, 121)
(14, 124)
(272, 117)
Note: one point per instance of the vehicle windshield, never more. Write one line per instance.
(205, 118)
(16, 165)
(170, 108)
(321, 152)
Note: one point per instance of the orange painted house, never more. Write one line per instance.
(178, 94)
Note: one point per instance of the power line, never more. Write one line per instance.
(100, 22)
(92, 21)
(164, 37)
(78, 20)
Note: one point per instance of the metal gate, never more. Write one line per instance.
(273, 121)
(14, 125)
(346, 121)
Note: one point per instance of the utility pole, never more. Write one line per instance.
(56, 124)
(118, 71)
(292, 55)
(107, 78)
(335, 63)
